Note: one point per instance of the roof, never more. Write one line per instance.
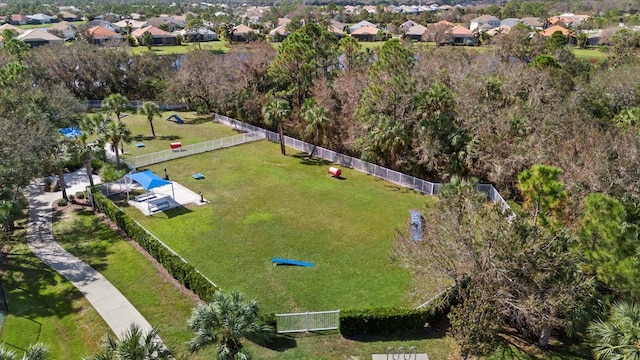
(40, 16)
(532, 21)
(99, 32)
(135, 24)
(11, 27)
(66, 15)
(18, 17)
(460, 31)
(280, 30)
(242, 29)
(365, 30)
(485, 19)
(548, 32)
(335, 30)
(38, 34)
(417, 30)
(444, 22)
(510, 22)
(154, 31)
(148, 179)
(62, 25)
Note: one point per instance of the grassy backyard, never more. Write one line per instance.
(216, 46)
(197, 128)
(264, 205)
(45, 307)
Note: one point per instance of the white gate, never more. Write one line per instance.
(308, 321)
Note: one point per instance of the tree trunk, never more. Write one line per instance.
(62, 184)
(545, 335)
(87, 166)
(153, 131)
(281, 136)
(115, 148)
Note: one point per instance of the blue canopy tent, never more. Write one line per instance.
(70, 132)
(149, 181)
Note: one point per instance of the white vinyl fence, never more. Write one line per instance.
(308, 321)
(393, 176)
(186, 150)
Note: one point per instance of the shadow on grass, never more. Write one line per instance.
(143, 138)
(78, 238)
(177, 211)
(32, 289)
(515, 347)
(169, 137)
(305, 160)
(197, 121)
(280, 343)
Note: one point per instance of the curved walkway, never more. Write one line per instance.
(114, 308)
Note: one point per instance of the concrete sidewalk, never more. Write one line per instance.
(114, 308)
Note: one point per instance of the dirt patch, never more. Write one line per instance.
(164, 274)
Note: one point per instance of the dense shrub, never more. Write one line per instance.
(388, 320)
(182, 271)
(109, 173)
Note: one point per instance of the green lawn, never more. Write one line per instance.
(591, 53)
(45, 307)
(88, 238)
(217, 46)
(265, 205)
(196, 129)
(83, 235)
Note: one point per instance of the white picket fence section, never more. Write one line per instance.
(308, 321)
(186, 150)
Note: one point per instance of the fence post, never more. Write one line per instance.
(307, 321)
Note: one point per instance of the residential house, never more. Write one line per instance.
(509, 22)
(39, 37)
(337, 24)
(69, 16)
(361, 24)
(202, 34)
(460, 35)
(338, 32)
(103, 23)
(64, 29)
(126, 25)
(103, 36)
(4, 19)
(158, 36)
(568, 19)
(135, 16)
(166, 22)
(42, 19)
(534, 22)
(484, 22)
(405, 26)
(548, 32)
(366, 33)
(17, 19)
(11, 27)
(417, 33)
(439, 32)
(242, 33)
(278, 34)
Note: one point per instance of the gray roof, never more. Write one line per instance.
(509, 22)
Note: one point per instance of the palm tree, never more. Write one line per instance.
(317, 119)
(275, 112)
(150, 109)
(116, 104)
(34, 352)
(86, 150)
(62, 153)
(112, 132)
(619, 336)
(225, 321)
(135, 345)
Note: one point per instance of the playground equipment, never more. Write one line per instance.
(176, 118)
(335, 172)
(281, 261)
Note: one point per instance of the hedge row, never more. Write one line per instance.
(182, 271)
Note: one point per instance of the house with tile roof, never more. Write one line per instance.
(242, 33)
(549, 31)
(484, 22)
(63, 29)
(103, 36)
(158, 36)
(17, 19)
(460, 35)
(366, 33)
(417, 33)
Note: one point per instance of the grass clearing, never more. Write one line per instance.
(196, 129)
(161, 303)
(591, 53)
(45, 307)
(215, 46)
(265, 205)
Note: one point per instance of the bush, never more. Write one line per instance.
(80, 195)
(109, 173)
(62, 202)
(182, 271)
